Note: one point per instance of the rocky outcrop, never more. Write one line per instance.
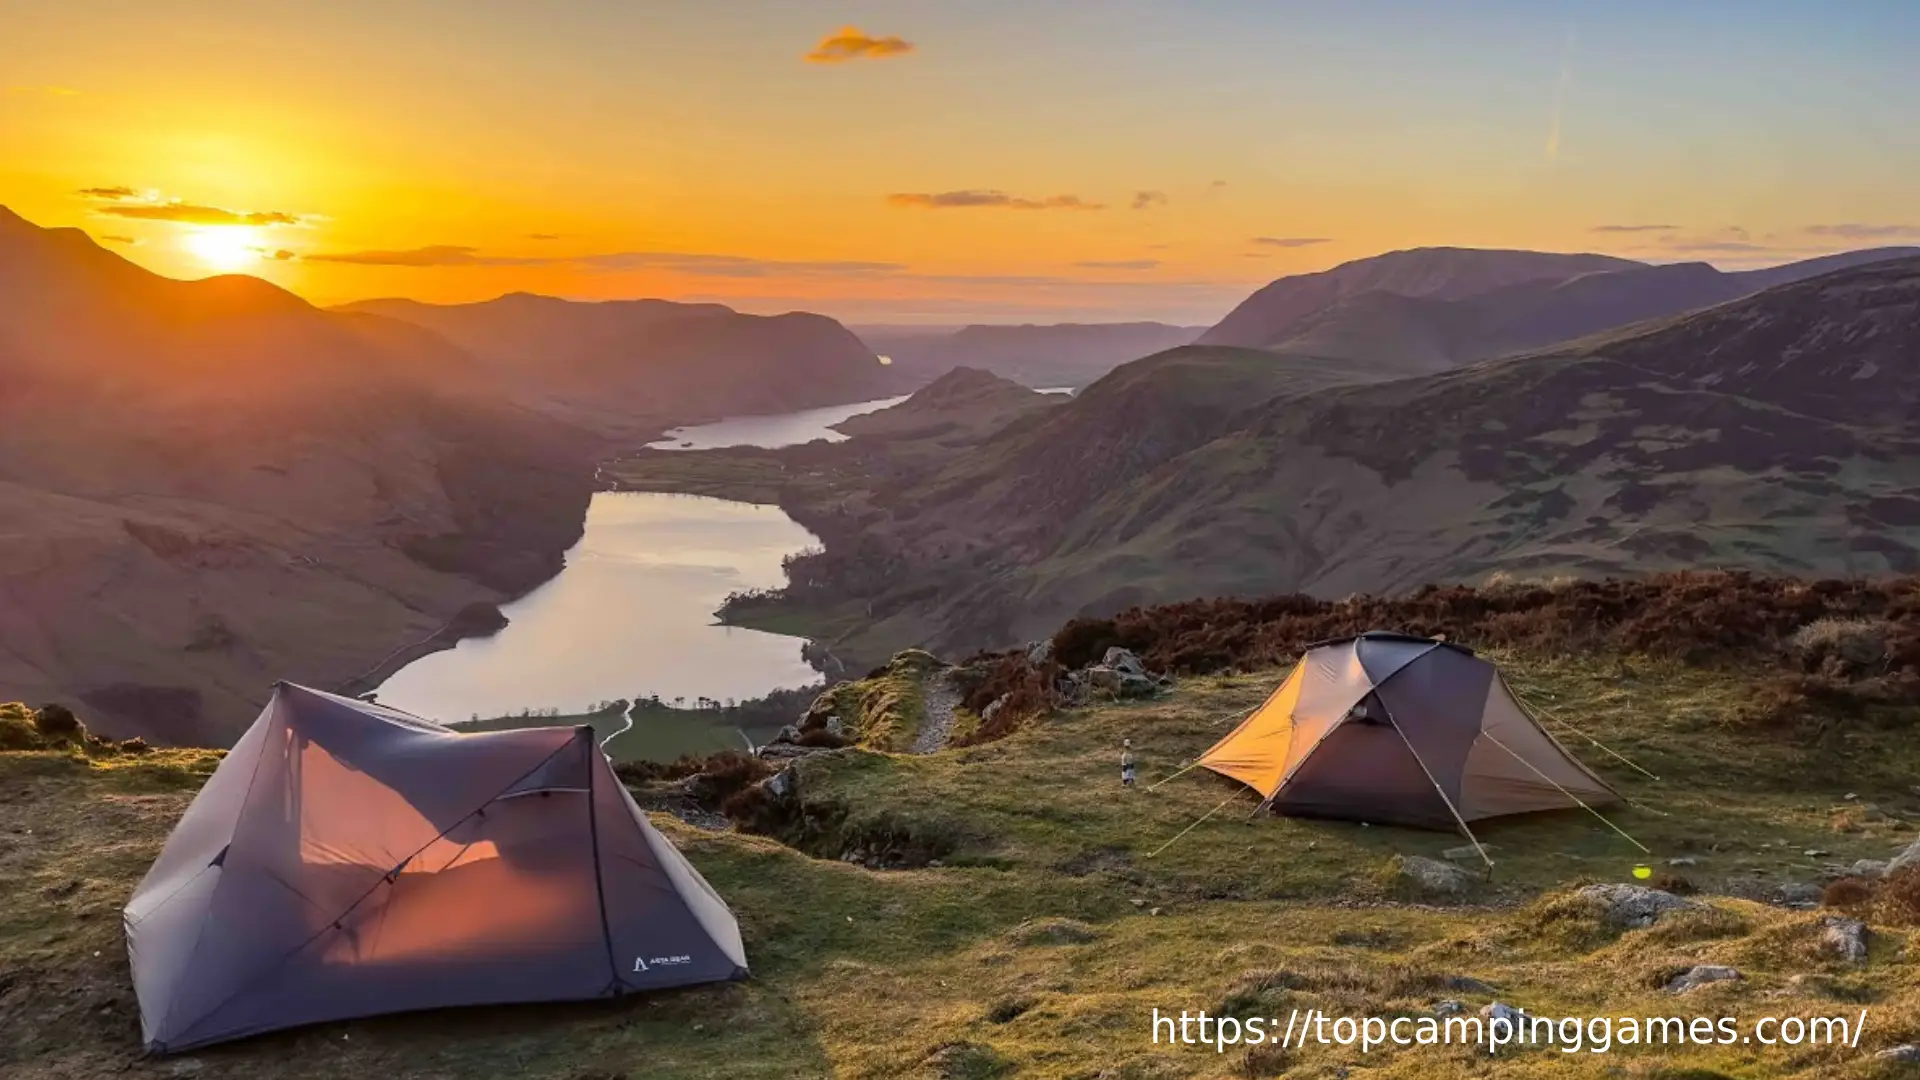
(1630, 907)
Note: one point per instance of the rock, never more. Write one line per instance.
(780, 785)
(1499, 1012)
(788, 734)
(1449, 1007)
(1137, 902)
(1631, 907)
(1816, 853)
(1123, 661)
(993, 708)
(1797, 894)
(1039, 652)
(1868, 868)
(1846, 937)
(1684, 860)
(1467, 984)
(836, 727)
(1909, 857)
(1700, 975)
(1120, 683)
(1155, 911)
(1431, 876)
(1907, 1052)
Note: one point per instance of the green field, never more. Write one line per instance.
(658, 732)
(1048, 933)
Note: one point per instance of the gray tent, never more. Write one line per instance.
(347, 860)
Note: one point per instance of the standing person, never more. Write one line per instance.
(1126, 762)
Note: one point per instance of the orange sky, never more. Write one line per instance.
(942, 162)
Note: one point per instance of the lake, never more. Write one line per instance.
(632, 613)
(781, 429)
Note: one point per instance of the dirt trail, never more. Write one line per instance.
(939, 699)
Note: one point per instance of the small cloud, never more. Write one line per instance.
(1219, 183)
(851, 43)
(1144, 199)
(124, 202)
(1119, 264)
(543, 236)
(45, 91)
(948, 200)
(1859, 231)
(1633, 228)
(431, 255)
(282, 255)
(1292, 241)
(115, 238)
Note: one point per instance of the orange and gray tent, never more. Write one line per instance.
(346, 859)
(1401, 730)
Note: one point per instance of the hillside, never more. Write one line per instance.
(1274, 313)
(209, 485)
(1039, 356)
(1436, 334)
(627, 364)
(1770, 433)
(963, 404)
(999, 910)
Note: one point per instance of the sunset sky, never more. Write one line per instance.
(914, 161)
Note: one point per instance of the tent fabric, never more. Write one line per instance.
(347, 860)
(1442, 740)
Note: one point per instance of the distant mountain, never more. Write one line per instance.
(1040, 356)
(206, 486)
(1438, 334)
(1773, 432)
(653, 358)
(961, 405)
(1273, 314)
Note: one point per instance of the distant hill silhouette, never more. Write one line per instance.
(1038, 356)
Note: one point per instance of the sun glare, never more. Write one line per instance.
(224, 248)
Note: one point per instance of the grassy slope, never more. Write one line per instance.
(659, 732)
(1042, 917)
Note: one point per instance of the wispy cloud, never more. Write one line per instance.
(1861, 231)
(45, 91)
(949, 200)
(121, 201)
(1219, 183)
(1119, 264)
(1291, 241)
(115, 238)
(851, 43)
(1560, 88)
(279, 254)
(1633, 228)
(1144, 199)
(694, 263)
(543, 236)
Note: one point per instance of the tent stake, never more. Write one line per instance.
(1194, 826)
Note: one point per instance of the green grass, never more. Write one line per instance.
(1035, 951)
(658, 733)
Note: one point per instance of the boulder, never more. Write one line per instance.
(1040, 652)
(1431, 876)
(1909, 857)
(836, 727)
(1684, 860)
(1449, 1007)
(788, 734)
(1799, 895)
(1123, 661)
(1868, 868)
(1907, 1052)
(1119, 683)
(1845, 937)
(1700, 975)
(1631, 907)
(993, 708)
(780, 785)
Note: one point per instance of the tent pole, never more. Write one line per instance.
(1194, 826)
(1440, 791)
(1264, 803)
(1582, 804)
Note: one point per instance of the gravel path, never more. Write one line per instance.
(938, 700)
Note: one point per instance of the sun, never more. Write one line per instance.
(225, 248)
